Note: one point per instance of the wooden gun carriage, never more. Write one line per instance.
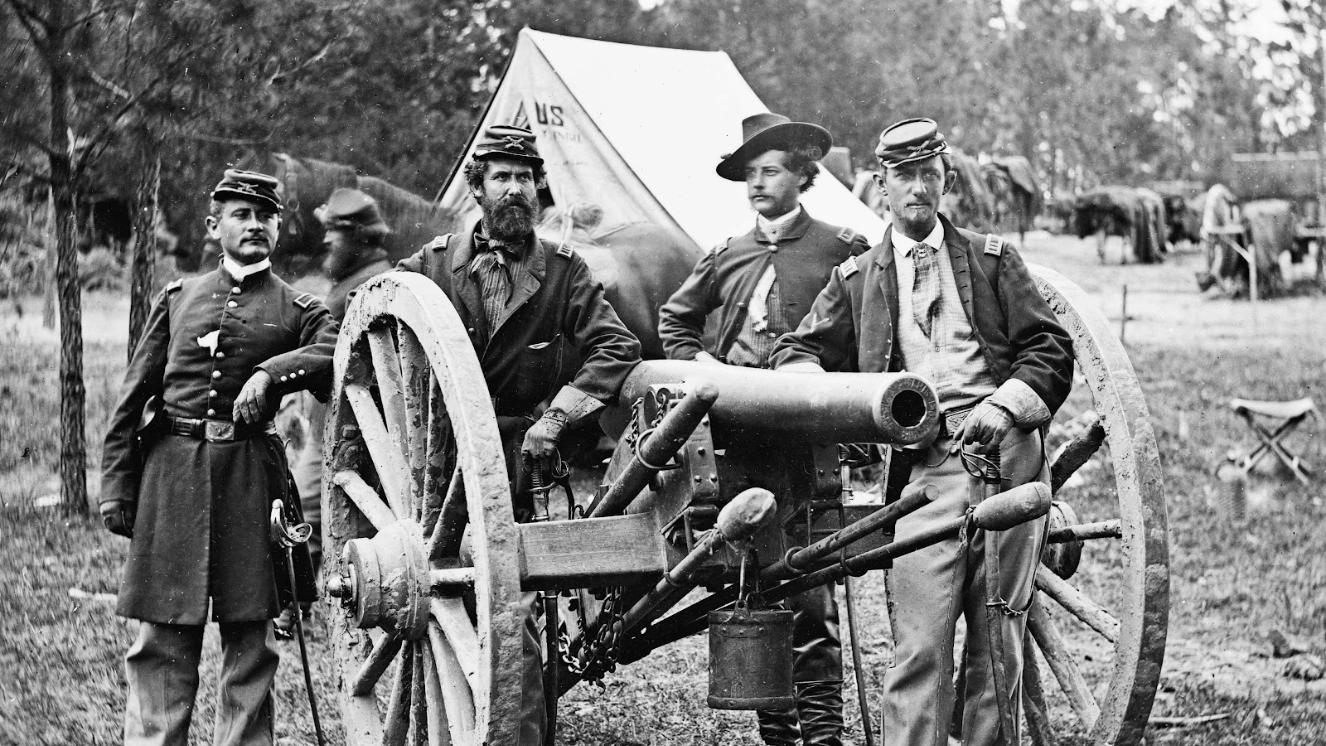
(713, 466)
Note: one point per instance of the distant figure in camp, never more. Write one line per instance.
(1221, 232)
(354, 231)
(761, 284)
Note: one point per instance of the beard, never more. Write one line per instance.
(509, 220)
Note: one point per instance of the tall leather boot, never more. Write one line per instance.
(820, 704)
(779, 727)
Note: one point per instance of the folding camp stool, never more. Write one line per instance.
(1288, 415)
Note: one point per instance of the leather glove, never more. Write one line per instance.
(986, 427)
(541, 439)
(118, 517)
(251, 404)
(704, 357)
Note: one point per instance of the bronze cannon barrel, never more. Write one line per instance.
(895, 408)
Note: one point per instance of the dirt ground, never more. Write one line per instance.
(1233, 582)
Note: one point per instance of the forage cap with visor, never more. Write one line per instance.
(249, 185)
(769, 131)
(347, 209)
(909, 140)
(507, 141)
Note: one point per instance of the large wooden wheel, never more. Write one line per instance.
(1101, 615)
(426, 619)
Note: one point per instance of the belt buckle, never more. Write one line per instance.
(217, 431)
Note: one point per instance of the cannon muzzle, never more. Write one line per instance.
(893, 408)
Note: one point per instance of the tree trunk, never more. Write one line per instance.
(145, 247)
(73, 449)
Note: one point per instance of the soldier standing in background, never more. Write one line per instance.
(354, 232)
(764, 281)
(192, 464)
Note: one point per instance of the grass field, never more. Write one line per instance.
(1233, 582)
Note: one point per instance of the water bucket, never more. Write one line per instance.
(750, 659)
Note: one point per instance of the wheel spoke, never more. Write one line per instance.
(440, 453)
(1076, 602)
(419, 715)
(450, 581)
(391, 389)
(387, 458)
(445, 539)
(1033, 696)
(1111, 529)
(1074, 686)
(1072, 455)
(440, 727)
(365, 498)
(416, 377)
(396, 721)
(374, 666)
(455, 624)
(457, 696)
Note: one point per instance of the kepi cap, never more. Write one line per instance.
(909, 140)
(769, 131)
(348, 208)
(249, 185)
(507, 141)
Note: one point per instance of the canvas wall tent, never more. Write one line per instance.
(638, 131)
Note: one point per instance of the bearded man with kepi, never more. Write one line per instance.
(530, 307)
(191, 467)
(959, 309)
(761, 283)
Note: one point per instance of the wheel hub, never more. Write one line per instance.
(383, 581)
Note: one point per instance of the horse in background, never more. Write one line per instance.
(308, 182)
(640, 264)
(1015, 192)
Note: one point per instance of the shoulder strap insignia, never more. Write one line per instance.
(994, 245)
(564, 250)
(846, 235)
(439, 243)
(305, 300)
(721, 247)
(174, 286)
(848, 268)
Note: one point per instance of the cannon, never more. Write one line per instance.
(715, 468)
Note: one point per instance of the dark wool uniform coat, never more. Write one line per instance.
(851, 325)
(803, 258)
(340, 295)
(557, 327)
(203, 508)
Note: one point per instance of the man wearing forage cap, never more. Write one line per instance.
(760, 284)
(354, 231)
(541, 327)
(959, 309)
(192, 464)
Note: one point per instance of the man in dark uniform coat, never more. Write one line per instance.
(354, 231)
(960, 309)
(764, 282)
(192, 480)
(532, 309)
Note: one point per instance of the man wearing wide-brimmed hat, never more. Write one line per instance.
(541, 327)
(761, 283)
(959, 309)
(192, 464)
